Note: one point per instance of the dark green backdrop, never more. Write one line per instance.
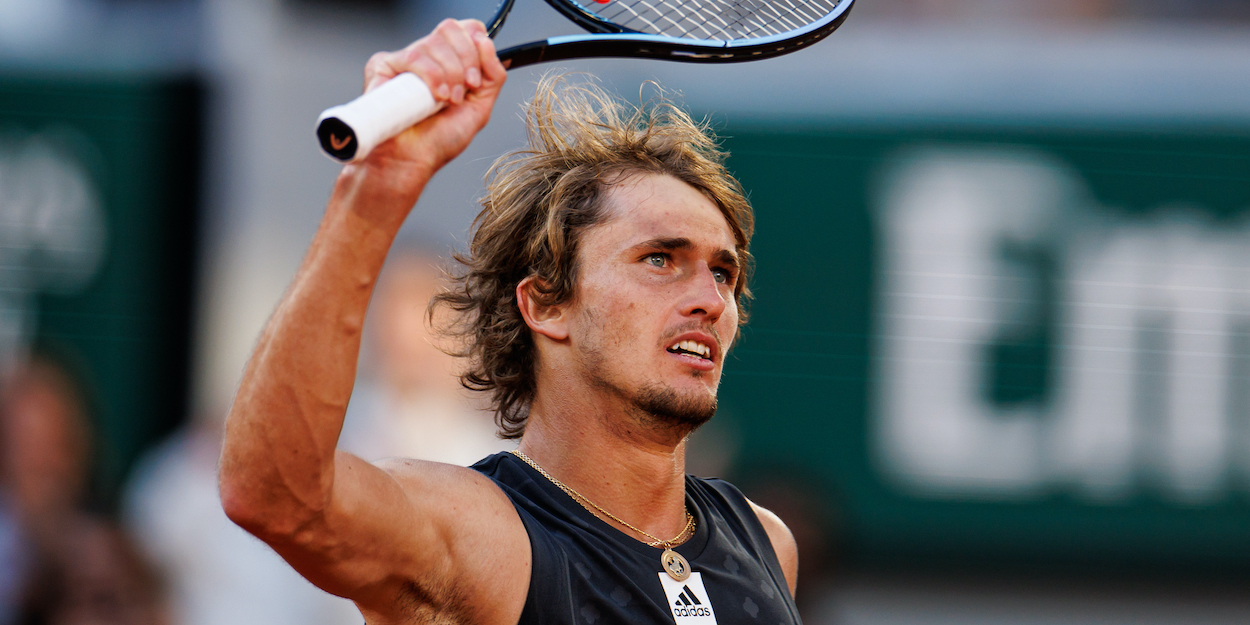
(797, 388)
(128, 331)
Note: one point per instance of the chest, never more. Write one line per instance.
(593, 582)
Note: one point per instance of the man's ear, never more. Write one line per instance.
(549, 321)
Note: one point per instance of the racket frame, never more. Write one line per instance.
(501, 15)
(611, 40)
(680, 49)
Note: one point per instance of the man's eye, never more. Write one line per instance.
(657, 259)
(722, 276)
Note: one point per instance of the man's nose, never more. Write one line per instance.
(704, 295)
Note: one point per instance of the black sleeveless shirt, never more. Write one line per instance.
(587, 572)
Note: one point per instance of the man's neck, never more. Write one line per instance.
(621, 461)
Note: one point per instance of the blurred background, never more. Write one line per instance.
(998, 369)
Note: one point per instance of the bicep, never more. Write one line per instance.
(784, 546)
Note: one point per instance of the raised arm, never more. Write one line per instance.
(395, 537)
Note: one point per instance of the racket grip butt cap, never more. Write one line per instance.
(349, 132)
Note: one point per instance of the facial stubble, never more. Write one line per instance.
(668, 408)
(659, 404)
(655, 403)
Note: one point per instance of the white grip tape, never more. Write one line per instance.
(384, 112)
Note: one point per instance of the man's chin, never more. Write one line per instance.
(668, 407)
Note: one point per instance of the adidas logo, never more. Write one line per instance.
(688, 599)
(688, 604)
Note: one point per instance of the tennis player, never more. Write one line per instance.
(603, 288)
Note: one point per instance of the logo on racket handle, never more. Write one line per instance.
(337, 138)
(338, 144)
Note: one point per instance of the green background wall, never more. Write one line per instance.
(128, 330)
(797, 388)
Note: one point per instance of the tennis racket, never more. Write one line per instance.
(691, 31)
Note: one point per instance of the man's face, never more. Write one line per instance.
(654, 312)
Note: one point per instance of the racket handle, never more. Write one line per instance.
(348, 132)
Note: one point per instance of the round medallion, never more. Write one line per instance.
(675, 565)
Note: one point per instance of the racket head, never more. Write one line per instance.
(747, 36)
(703, 20)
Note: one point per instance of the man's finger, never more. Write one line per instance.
(450, 64)
(493, 71)
(432, 73)
(473, 27)
(460, 38)
(382, 67)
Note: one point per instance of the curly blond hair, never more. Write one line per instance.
(539, 202)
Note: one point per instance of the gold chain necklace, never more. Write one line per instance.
(672, 562)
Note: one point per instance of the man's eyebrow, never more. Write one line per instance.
(669, 244)
(728, 258)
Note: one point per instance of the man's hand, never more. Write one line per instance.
(457, 62)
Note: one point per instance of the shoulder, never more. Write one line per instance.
(427, 477)
(466, 500)
(779, 535)
(783, 543)
(487, 547)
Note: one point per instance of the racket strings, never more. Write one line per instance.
(713, 19)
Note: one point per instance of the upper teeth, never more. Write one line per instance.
(694, 348)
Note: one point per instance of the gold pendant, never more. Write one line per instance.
(675, 565)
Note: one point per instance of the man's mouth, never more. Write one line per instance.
(693, 348)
